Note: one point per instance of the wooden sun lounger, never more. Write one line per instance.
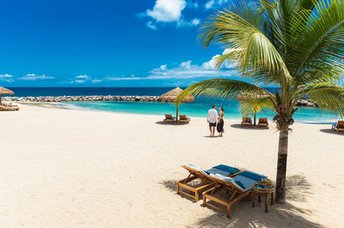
(197, 182)
(246, 121)
(263, 122)
(339, 126)
(184, 119)
(9, 108)
(231, 193)
(194, 190)
(169, 118)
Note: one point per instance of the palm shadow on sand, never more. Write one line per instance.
(332, 132)
(287, 215)
(171, 123)
(238, 126)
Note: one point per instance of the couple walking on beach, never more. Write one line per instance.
(215, 120)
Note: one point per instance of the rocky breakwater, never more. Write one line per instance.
(82, 98)
(304, 102)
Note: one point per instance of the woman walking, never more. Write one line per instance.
(220, 122)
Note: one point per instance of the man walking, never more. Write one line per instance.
(212, 118)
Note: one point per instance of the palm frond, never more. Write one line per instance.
(222, 88)
(255, 104)
(329, 96)
(240, 28)
(319, 44)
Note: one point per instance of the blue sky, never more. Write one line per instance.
(105, 43)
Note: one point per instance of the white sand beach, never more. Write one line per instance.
(72, 168)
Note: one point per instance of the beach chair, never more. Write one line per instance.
(184, 119)
(198, 179)
(246, 121)
(229, 191)
(339, 126)
(8, 107)
(168, 118)
(263, 122)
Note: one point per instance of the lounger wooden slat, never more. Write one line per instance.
(234, 195)
(9, 108)
(168, 118)
(184, 119)
(205, 183)
(263, 122)
(246, 121)
(187, 187)
(339, 127)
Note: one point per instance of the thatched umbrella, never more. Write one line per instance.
(4, 91)
(171, 96)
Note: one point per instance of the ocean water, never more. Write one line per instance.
(197, 109)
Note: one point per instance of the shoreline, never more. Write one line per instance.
(71, 106)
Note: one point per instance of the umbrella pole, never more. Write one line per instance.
(177, 112)
(255, 118)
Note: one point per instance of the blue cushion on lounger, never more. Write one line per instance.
(244, 182)
(217, 171)
(252, 175)
(221, 177)
(240, 184)
(231, 180)
(226, 168)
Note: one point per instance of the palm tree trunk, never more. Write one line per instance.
(282, 166)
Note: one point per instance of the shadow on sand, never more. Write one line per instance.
(171, 123)
(333, 132)
(238, 126)
(287, 215)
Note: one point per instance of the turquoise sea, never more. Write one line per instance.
(197, 109)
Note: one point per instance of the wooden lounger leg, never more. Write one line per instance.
(229, 211)
(204, 200)
(196, 196)
(177, 187)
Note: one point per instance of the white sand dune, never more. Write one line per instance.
(69, 168)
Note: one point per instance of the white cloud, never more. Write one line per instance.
(6, 78)
(94, 81)
(211, 64)
(126, 78)
(169, 11)
(83, 77)
(151, 25)
(163, 67)
(36, 77)
(195, 21)
(186, 64)
(215, 4)
(209, 4)
(186, 70)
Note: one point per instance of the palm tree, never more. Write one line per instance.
(295, 44)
